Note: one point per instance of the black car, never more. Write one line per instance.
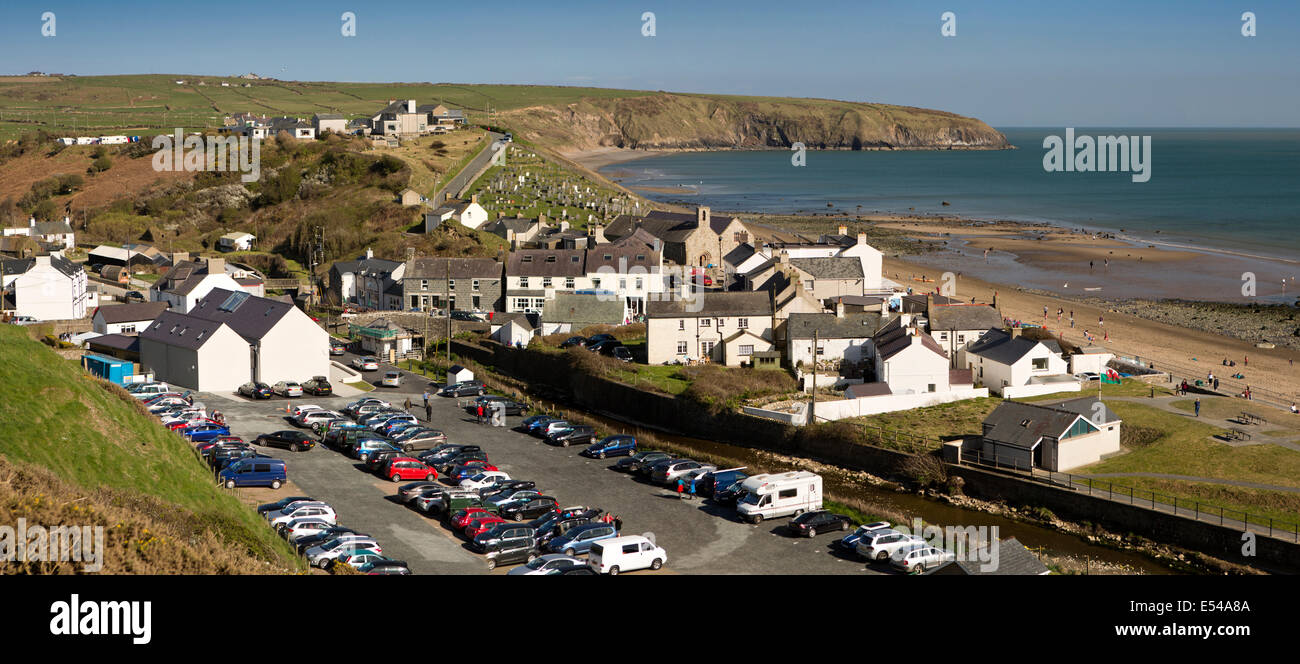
(460, 459)
(280, 504)
(134, 296)
(602, 347)
(621, 353)
(574, 341)
(465, 316)
(576, 570)
(256, 391)
(226, 457)
(632, 463)
(512, 553)
(529, 509)
(321, 537)
(648, 469)
(512, 407)
(318, 386)
(557, 523)
(296, 441)
(503, 535)
(444, 453)
(579, 434)
(465, 389)
(728, 495)
(599, 338)
(375, 462)
(809, 524)
(503, 486)
(389, 568)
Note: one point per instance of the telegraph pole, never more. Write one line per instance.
(448, 286)
(812, 410)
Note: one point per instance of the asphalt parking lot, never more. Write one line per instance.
(700, 538)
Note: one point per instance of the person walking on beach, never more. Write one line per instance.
(1216, 384)
(1245, 360)
(1100, 322)
(1072, 319)
(1197, 405)
(1089, 266)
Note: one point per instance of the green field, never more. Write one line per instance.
(54, 416)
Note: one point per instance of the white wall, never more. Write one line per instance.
(851, 350)
(1033, 390)
(44, 293)
(1094, 362)
(1083, 450)
(295, 349)
(886, 403)
(914, 369)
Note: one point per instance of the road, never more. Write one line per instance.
(700, 538)
(466, 175)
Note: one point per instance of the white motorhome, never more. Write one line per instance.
(780, 494)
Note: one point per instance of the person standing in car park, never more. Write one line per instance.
(479, 414)
(426, 398)
(407, 404)
(428, 411)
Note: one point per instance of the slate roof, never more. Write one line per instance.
(181, 330)
(461, 268)
(756, 303)
(546, 263)
(867, 390)
(252, 318)
(999, 346)
(964, 317)
(638, 237)
(830, 268)
(1084, 406)
(916, 304)
(127, 342)
(51, 228)
(65, 266)
(329, 116)
(961, 377)
(1023, 424)
(1013, 559)
(526, 321)
(182, 278)
(613, 257)
(582, 310)
(12, 266)
(365, 266)
(739, 255)
(126, 313)
(830, 326)
(894, 339)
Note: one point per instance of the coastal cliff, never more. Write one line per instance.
(666, 121)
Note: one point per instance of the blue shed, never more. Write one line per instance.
(108, 368)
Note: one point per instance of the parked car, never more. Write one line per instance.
(547, 565)
(324, 556)
(313, 417)
(374, 459)
(530, 508)
(318, 386)
(287, 388)
(466, 316)
(526, 425)
(407, 492)
(580, 434)
(574, 341)
(625, 554)
(511, 552)
(406, 468)
(918, 559)
(616, 445)
(366, 363)
(392, 379)
(480, 523)
(880, 544)
(465, 389)
(579, 540)
(667, 473)
(301, 408)
(134, 296)
(296, 441)
(255, 390)
(254, 472)
(634, 462)
(278, 505)
(601, 338)
(462, 471)
(300, 528)
(385, 567)
(712, 481)
(338, 348)
(809, 524)
(358, 559)
(305, 542)
(205, 431)
(850, 541)
(620, 353)
(484, 479)
(551, 427)
(511, 407)
(301, 511)
(424, 439)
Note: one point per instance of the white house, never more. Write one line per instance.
(839, 336)
(59, 234)
(126, 318)
(630, 271)
(229, 338)
(188, 281)
(534, 276)
(512, 329)
(838, 246)
(956, 325)
(1057, 438)
(236, 241)
(1011, 365)
(726, 327)
(470, 213)
(1090, 359)
(52, 288)
(909, 360)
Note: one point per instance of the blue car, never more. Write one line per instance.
(618, 445)
(369, 446)
(535, 422)
(580, 538)
(205, 432)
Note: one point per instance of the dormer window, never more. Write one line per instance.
(550, 259)
(526, 259)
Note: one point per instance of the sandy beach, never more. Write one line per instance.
(599, 158)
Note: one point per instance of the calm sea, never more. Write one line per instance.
(1215, 189)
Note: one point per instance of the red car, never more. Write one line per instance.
(472, 522)
(461, 519)
(184, 424)
(218, 440)
(482, 525)
(406, 468)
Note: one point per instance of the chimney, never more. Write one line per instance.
(43, 260)
(31, 222)
(702, 215)
(862, 238)
(410, 106)
(783, 257)
(473, 198)
(1015, 332)
(370, 253)
(67, 220)
(564, 226)
(511, 239)
(844, 230)
(178, 256)
(839, 308)
(598, 234)
(216, 265)
(929, 303)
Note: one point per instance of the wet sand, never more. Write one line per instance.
(599, 158)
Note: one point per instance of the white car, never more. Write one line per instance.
(303, 527)
(290, 507)
(883, 543)
(546, 565)
(287, 388)
(366, 363)
(313, 416)
(681, 468)
(484, 480)
(392, 379)
(319, 556)
(920, 558)
(302, 408)
(624, 554)
(322, 511)
(192, 415)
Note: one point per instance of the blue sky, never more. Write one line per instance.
(1012, 63)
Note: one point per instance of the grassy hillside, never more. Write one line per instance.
(76, 450)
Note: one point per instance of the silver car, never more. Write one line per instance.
(548, 564)
(883, 543)
(917, 559)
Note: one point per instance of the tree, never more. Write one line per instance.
(101, 164)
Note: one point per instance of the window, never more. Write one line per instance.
(961, 338)
(706, 322)
(608, 257)
(681, 325)
(574, 259)
(721, 321)
(424, 284)
(550, 259)
(681, 347)
(929, 387)
(451, 284)
(640, 257)
(742, 323)
(821, 349)
(523, 282)
(127, 329)
(474, 284)
(568, 283)
(526, 259)
(749, 350)
(788, 493)
(1040, 363)
(639, 284)
(622, 284)
(706, 348)
(546, 282)
(808, 285)
(595, 282)
(630, 548)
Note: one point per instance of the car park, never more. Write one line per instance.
(366, 363)
(809, 524)
(287, 388)
(917, 559)
(465, 389)
(318, 386)
(625, 554)
(255, 391)
(579, 540)
(295, 441)
(254, 472)
(616, 445)
(392, 379)
(547, 565)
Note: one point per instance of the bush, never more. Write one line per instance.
(101, 164)
(926, 470)
(1135, 436)
(721, 388)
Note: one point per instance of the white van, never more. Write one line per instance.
(624, 554)
(780, 494)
